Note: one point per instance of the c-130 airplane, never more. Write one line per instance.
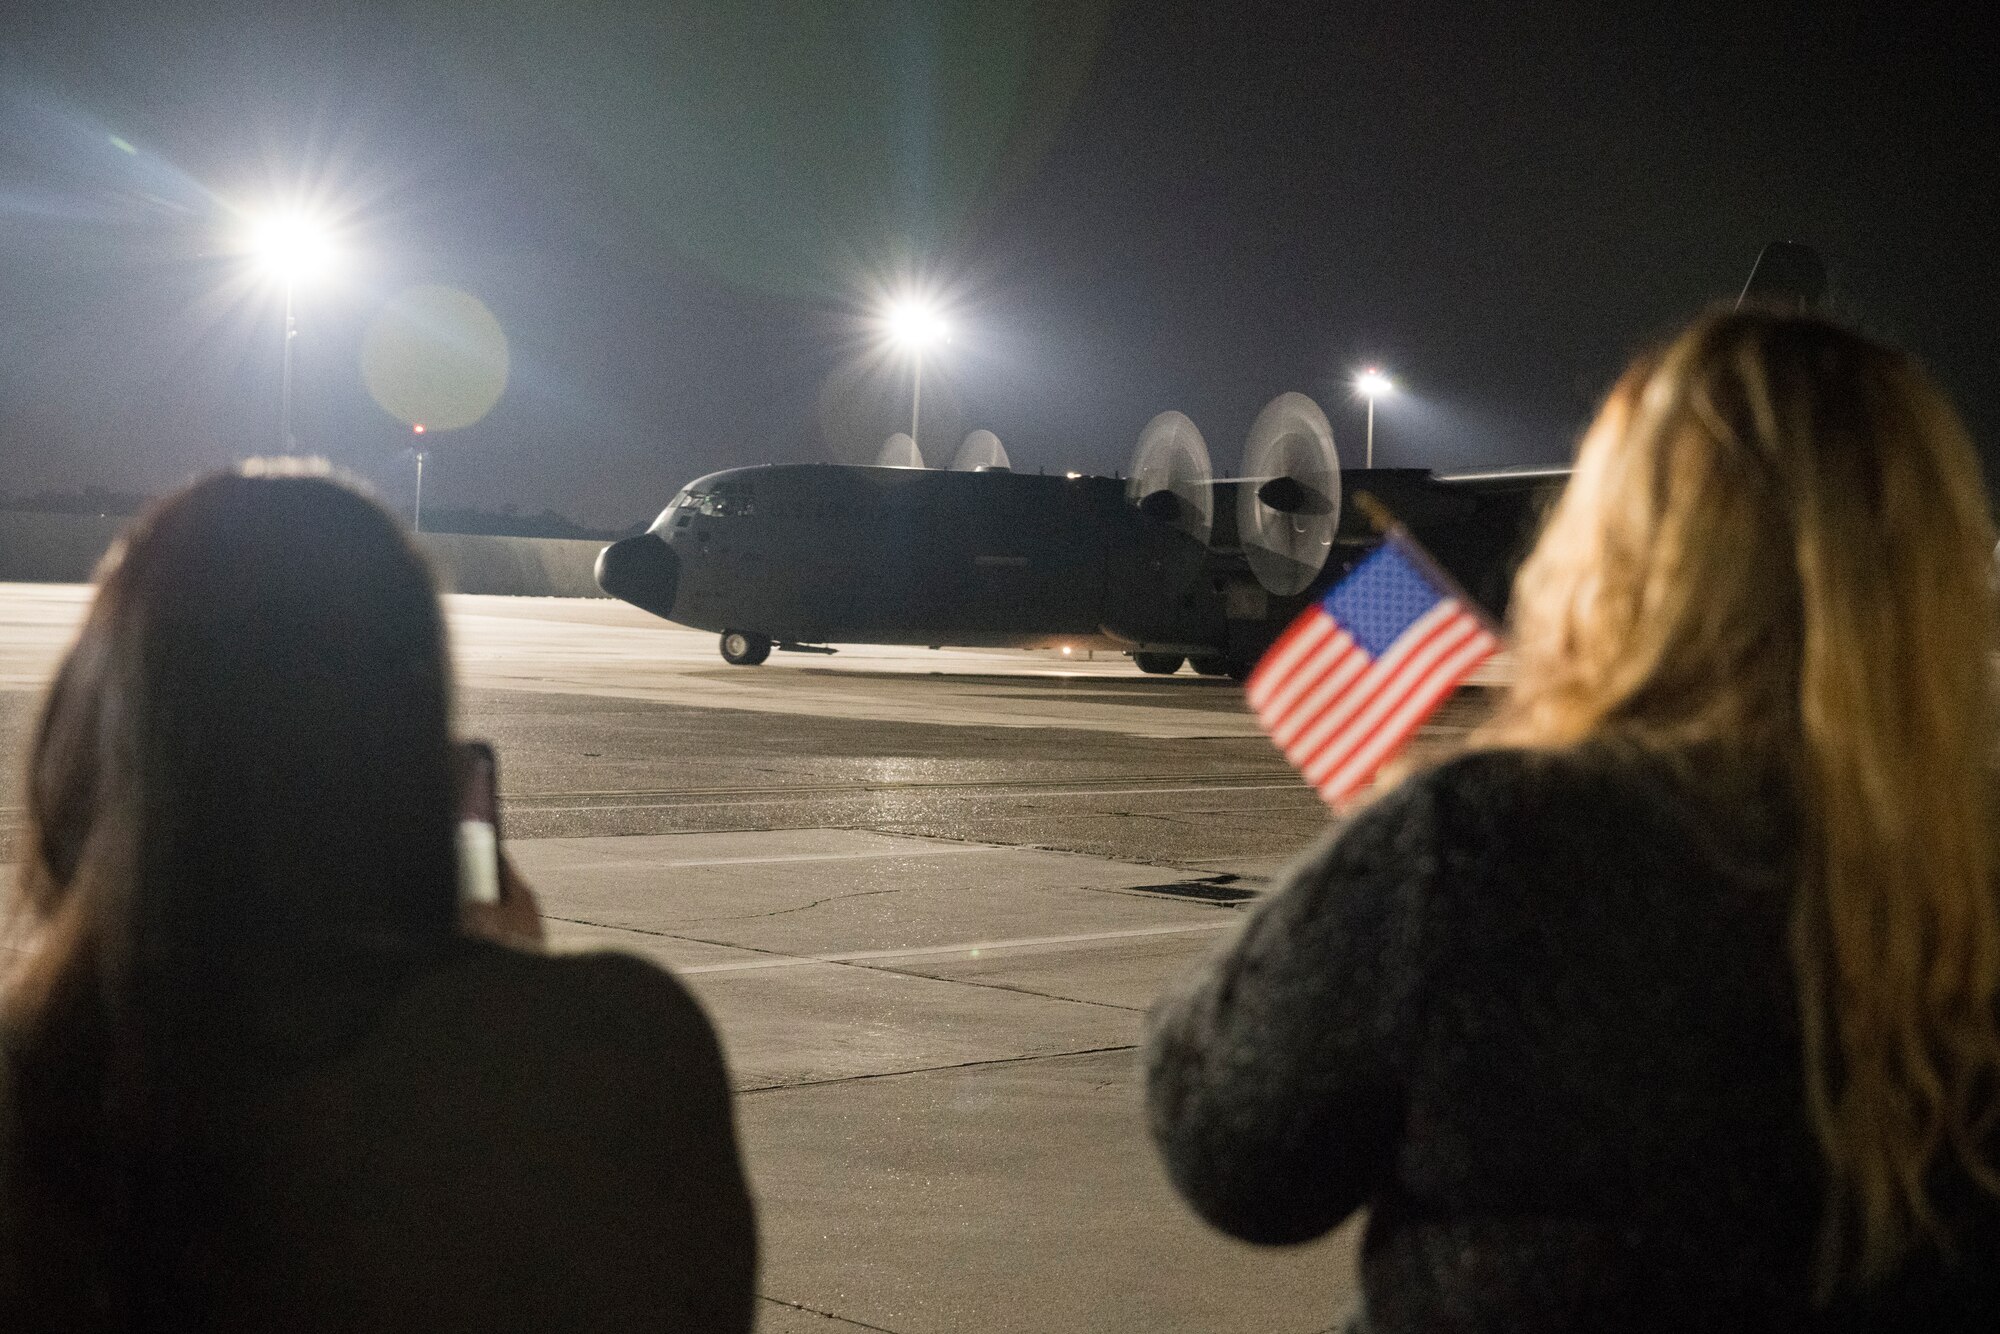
(1170, 565)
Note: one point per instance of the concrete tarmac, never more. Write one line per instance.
(927, 897)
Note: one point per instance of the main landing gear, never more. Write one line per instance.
(1206, 664)
(744, 648)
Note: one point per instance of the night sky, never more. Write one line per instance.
(681, 215)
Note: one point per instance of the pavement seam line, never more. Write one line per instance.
(866, 958)
(780, 959)
(914, 785)
(828, 1315)
(877, 854)
(1191, 863)
(997, 986)
(797, 960)
(936, 1069)
(802, 798)
(801, 907)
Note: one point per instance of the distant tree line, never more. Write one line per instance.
(508, 521)
(87, 500)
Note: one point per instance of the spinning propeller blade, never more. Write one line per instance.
(981, 450)
(899, 451)
(1171, 476)
(1288, 505)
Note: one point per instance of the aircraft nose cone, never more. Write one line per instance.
(640, 570)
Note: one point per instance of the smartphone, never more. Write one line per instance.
(478, 823)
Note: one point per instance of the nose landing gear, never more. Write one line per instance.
(744, 648)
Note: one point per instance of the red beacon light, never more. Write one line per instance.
(417, 429)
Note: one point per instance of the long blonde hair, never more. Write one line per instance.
(1774, 565)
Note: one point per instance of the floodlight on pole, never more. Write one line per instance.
(1372, 384)
(290, 247)
(915, 326)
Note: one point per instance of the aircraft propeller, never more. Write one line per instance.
(899, 451)
(1288, 503)
(1171, 476)
(982, 450)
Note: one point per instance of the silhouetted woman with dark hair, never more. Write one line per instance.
(256, 1075)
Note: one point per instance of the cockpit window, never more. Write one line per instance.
(727, 501)
(724, 502)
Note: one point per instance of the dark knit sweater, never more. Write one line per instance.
(1537, 1014)
(511, 1144)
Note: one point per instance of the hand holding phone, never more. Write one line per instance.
(478, 823)
(493, 901)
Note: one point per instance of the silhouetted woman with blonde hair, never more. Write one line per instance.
(1671, 1005)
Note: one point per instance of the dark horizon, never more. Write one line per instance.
(677, 217)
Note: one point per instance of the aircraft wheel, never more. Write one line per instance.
(1212, 666)
(1158, 664)
(744, 648)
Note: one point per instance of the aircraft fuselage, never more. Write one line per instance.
(833, 553)
(819, 553)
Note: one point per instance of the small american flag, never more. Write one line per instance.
(1348, 681)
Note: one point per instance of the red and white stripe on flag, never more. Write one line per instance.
(1356, 674)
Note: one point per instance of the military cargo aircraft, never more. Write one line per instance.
(1171, 565)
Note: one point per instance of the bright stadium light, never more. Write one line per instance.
(1372, 384)
(914, 325)
(290, 246)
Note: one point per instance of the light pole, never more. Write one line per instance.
(1371, 384)
(286, 440)
(290, 247)
(417, 511)
(914, 326)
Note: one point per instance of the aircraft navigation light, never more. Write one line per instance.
(417, 428)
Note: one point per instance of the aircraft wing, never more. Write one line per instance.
(1525, 478)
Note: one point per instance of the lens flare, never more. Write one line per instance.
(435, 359)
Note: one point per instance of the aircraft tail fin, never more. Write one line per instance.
(1786, 274)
